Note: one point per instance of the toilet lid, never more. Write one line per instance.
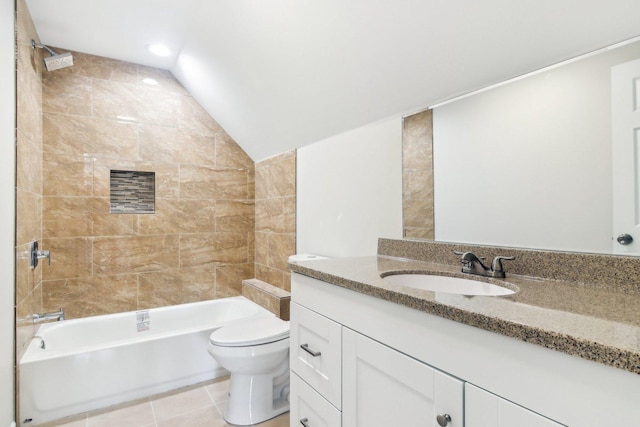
(251, 332)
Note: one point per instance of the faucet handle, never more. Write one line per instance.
(496, 266)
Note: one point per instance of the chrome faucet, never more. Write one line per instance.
(471, 264)
(43, 317)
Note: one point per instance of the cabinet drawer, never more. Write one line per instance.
(316, 352)
(309, 408)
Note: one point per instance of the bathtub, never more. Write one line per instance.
(99, 361)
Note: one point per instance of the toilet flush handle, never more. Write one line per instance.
(305, 422)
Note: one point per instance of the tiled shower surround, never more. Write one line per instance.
(99, 116)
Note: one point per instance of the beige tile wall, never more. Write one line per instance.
(199, 244)
(28, 175)
(417, 175)
(275, 218)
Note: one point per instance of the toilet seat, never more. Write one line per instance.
(249, 333)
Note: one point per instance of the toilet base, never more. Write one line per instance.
(257, 398)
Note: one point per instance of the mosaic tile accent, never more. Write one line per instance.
(133, 192)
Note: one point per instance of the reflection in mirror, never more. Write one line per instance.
(529, 163)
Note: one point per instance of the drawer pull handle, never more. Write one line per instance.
(306, 348)
(305, 422)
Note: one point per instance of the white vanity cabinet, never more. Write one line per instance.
(484, 409)
(383, 387)
(384, 364)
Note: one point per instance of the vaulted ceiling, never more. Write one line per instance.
(280, 74)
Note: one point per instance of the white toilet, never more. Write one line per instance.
(256, 352)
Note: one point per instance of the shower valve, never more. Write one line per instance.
(36, 254)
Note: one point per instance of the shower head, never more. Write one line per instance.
(55, 61)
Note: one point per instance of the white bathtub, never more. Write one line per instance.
(95, 362)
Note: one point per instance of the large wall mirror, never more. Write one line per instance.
(532, 163)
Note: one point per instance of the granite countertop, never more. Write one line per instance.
(593, 323)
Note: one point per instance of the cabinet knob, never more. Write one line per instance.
(443, 419)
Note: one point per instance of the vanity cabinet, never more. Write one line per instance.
(383, 364)
(484, 409)
(383, 387)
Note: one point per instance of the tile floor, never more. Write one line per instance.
(200, 405)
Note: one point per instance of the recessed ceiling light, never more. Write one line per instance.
(151, 82)
(159, 49)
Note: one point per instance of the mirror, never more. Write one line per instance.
(529, 163)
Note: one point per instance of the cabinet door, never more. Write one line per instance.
(484, 409)
(310, 409)
(316, 353)
(383, 387)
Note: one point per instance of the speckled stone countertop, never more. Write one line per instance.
(598, 324)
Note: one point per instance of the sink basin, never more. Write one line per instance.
(447, 284)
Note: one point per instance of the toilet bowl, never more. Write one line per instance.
(256, 353)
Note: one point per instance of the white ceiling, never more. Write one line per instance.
(281, 74)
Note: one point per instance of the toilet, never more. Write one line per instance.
(256, 353)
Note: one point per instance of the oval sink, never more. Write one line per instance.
(447, 284)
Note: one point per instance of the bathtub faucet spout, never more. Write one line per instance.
(43, 317)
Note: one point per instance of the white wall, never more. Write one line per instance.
(7, 206)
(349, 191)
(529, 164)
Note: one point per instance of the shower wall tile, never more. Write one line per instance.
(164, 80)
(262, 248)
(108, 295)
(77, 179)
(235, 216)
(281, 246)
(89, 136)
(28, 210)
(25, 30)
(70, 258)
(275, 192)
(276, 179)
(67, 217)
(270, 215)
(211, 249)
(67, 94)
(121, 255)
(144, 105)
(229, 279)
(29, 92)
(101, 68)
(230, 183)
(28, 164)
(175, 216)
(165, 144)
(199, 182)
(271, 275)
(251, 246)
(251, 184)
(229, 153)
(107, 224)
(27, 278)
(175, 287)
(191, 115)
(289, 209)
